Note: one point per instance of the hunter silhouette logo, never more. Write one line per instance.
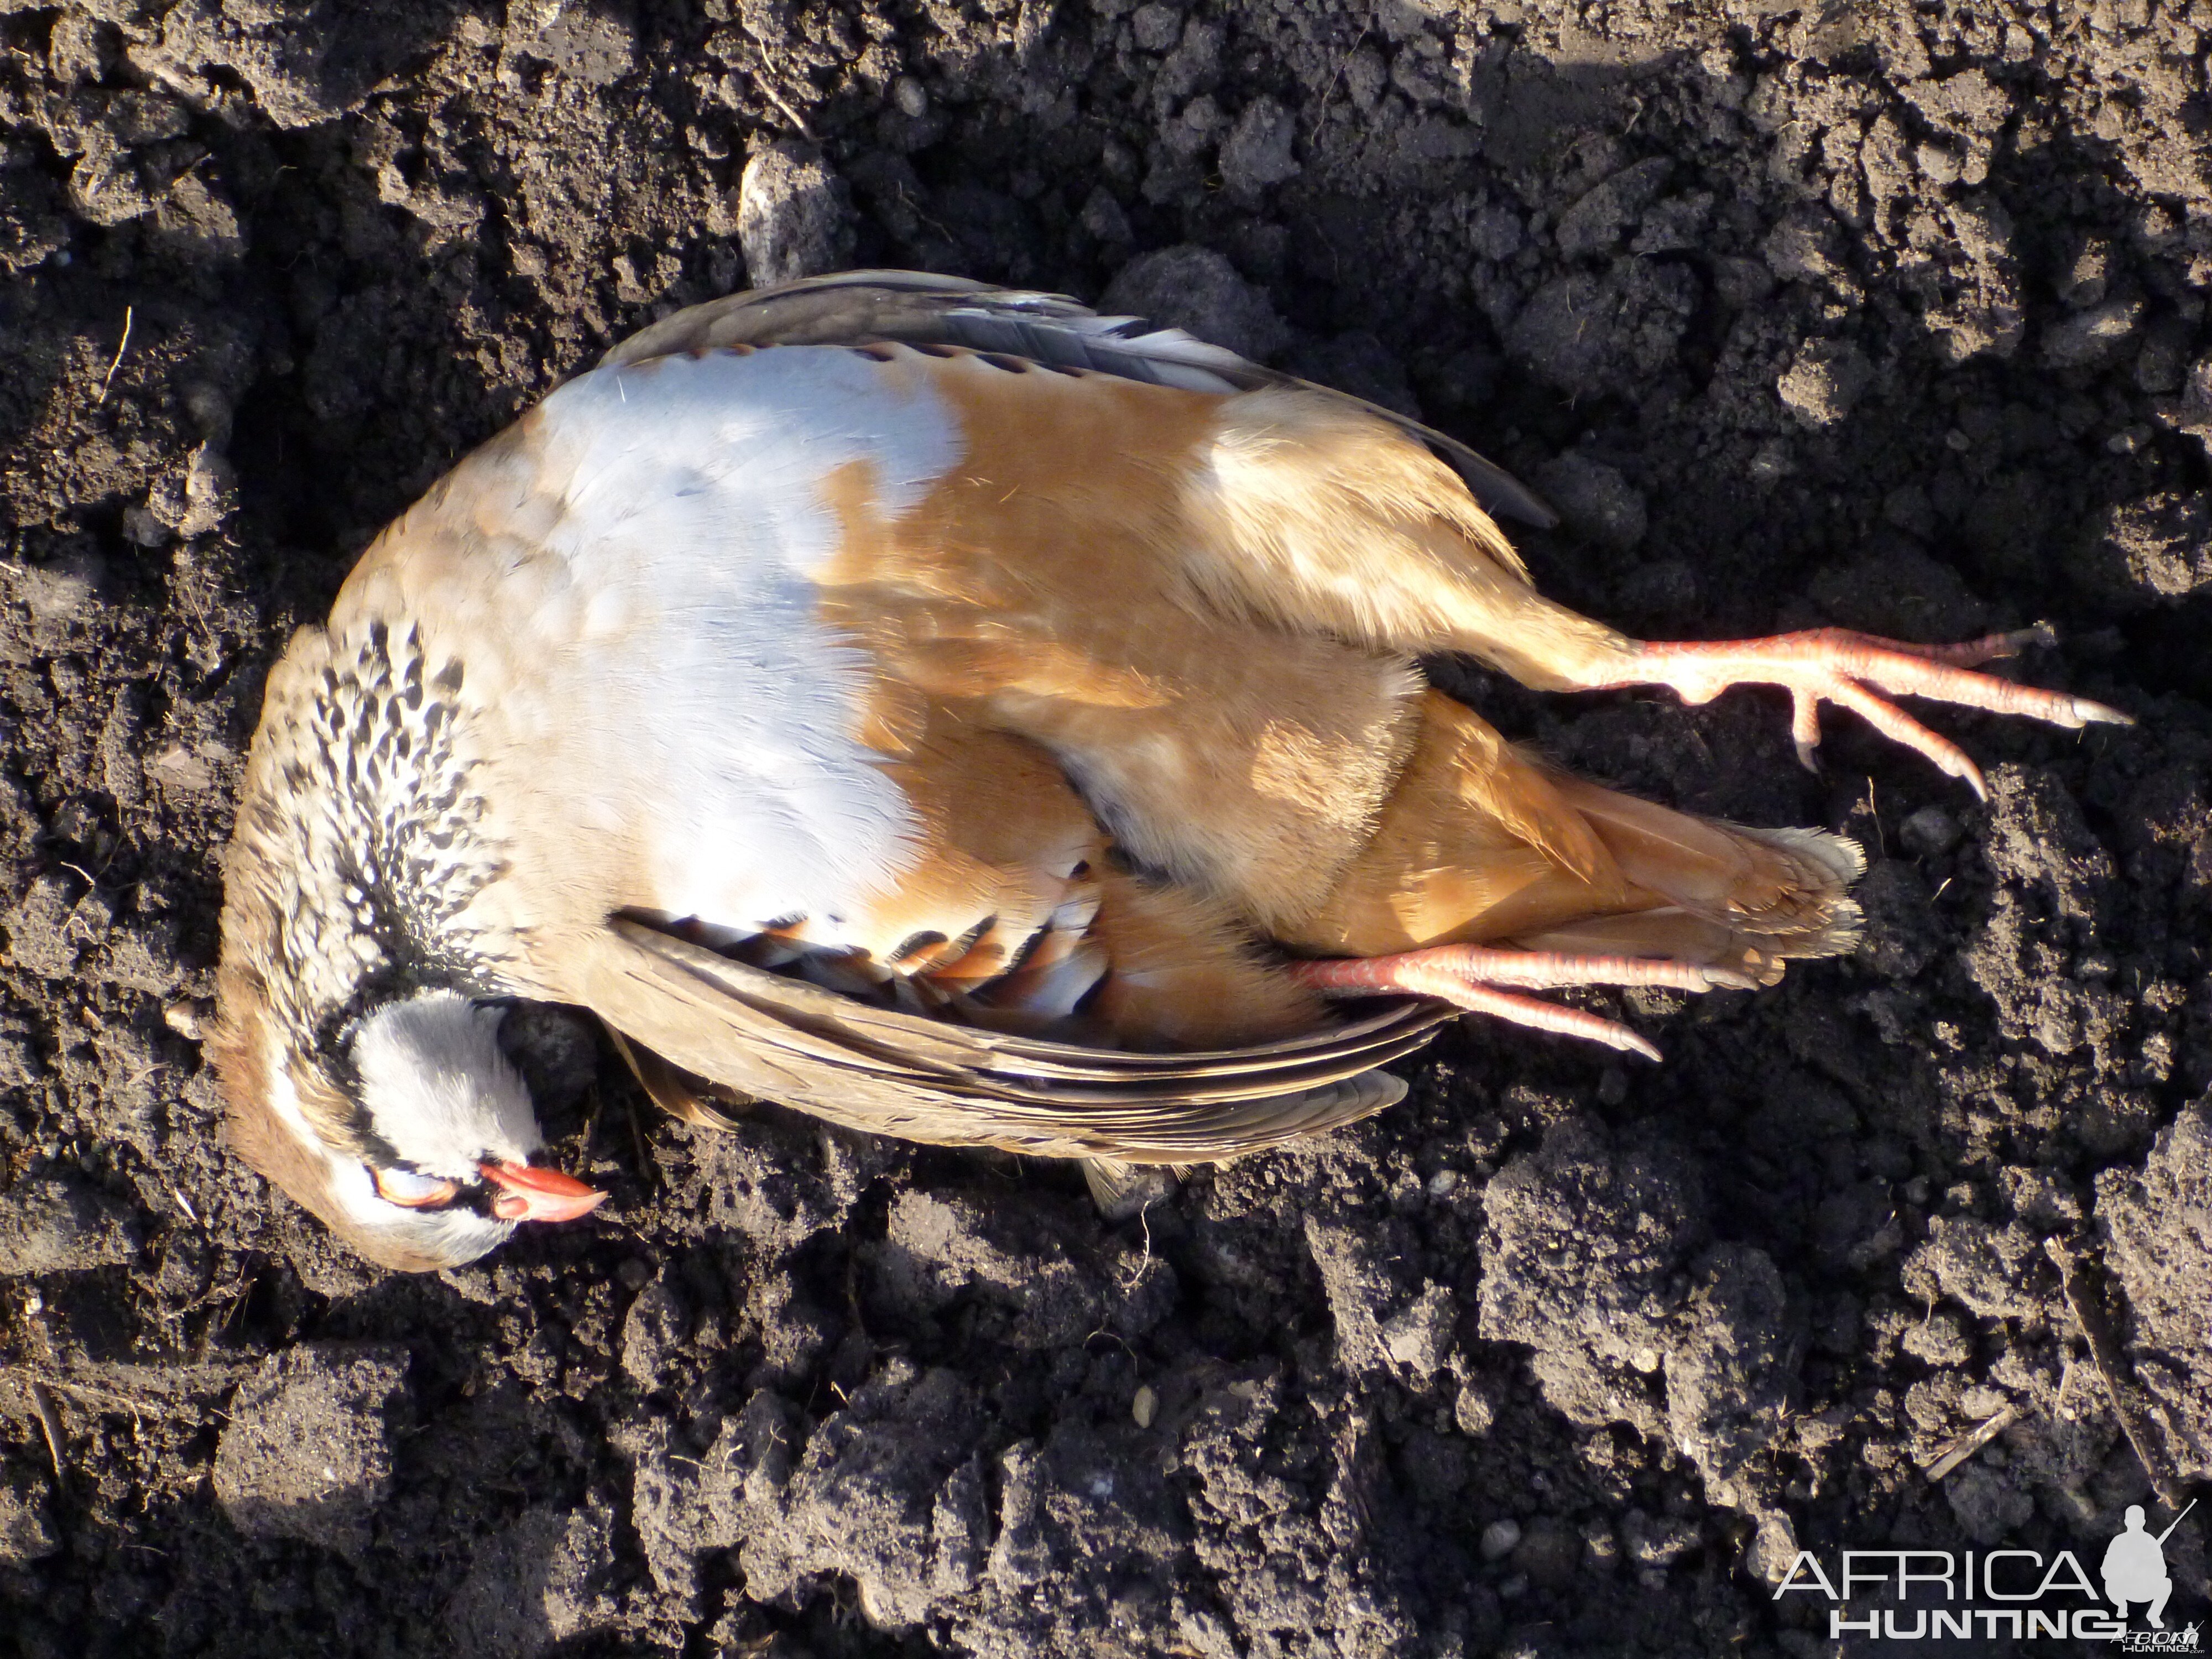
(2134, 1566)
(2135, 1571)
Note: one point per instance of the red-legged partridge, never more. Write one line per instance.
(968, 718)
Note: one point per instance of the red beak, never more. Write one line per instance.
(534, 1194)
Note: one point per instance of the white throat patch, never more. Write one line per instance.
(438, 1090)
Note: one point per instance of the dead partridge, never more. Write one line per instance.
(968, 718)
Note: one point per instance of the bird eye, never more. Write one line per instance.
(411, 1191)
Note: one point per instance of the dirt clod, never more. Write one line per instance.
(1583, 1259)
(2157, 1232)
(27, 1527)
(58, 1224)
(794, 214)
(1197, 289)
(306, 1453)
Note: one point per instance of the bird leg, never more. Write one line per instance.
(1834, 664)
(1469, 977)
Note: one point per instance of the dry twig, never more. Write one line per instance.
(2120, 1386)
(50, 1423)
(1972, 1441)
(121, 346)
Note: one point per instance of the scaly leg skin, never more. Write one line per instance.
(1469, 977)
(1835, 665)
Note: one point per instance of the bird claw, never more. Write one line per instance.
(1805, 729)
(1834, 664)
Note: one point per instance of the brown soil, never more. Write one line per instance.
(1885, 317)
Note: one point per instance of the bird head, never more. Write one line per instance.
(411, 1136)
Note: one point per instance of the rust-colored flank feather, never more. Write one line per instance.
(966, 718)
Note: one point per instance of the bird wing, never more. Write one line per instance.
(914, 308)
(885, 1072)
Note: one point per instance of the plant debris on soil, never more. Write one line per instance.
(1887, 317)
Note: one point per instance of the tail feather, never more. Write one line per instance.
(1782, 890)
(1480, 843)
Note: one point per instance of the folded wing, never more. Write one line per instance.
(891, 1073)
